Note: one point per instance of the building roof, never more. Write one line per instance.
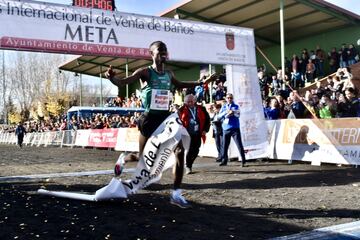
(302, 18)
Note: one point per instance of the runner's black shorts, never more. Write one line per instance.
(150, 121)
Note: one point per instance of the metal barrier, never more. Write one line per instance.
(58, 138)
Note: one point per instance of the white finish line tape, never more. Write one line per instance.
(71, 195)
(79, 174)
(114, 190)
(57, 175)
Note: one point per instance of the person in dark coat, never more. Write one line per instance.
(20, 133)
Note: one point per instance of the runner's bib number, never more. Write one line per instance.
(160, 99)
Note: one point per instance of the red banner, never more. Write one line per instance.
(103, 138)
(72, 47)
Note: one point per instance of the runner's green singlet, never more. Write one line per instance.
(155, 95)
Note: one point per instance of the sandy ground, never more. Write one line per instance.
(263, 200)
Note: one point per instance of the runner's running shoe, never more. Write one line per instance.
(178, 200)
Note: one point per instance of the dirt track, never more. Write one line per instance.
(263, 200)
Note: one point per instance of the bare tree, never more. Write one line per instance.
(34, 79)
(4, 87)
(35, 76)
(61, 80)
(20, 84)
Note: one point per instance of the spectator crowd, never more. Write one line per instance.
(333, 97)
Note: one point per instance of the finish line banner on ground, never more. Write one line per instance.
(45, 27)
(158, 156)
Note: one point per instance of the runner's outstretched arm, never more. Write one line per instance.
(189, 84)
(137, 75)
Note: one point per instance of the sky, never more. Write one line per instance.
(155, 7)
(350, 5)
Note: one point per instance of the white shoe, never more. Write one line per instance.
(178, 200)
(119, 165)
(188, 171)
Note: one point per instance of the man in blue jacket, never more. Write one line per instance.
(230, 114)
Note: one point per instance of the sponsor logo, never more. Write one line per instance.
(230, 40)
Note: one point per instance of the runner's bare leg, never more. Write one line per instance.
(179, 165)
(142, 142)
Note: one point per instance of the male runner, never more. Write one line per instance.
(156, 83)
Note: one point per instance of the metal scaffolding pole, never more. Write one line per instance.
(81, 93)
(101, 87)
(210, 85)
(4, 87)
(127, 75)
(282, 39)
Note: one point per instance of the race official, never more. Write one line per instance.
(196, 120)
(230, 114)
